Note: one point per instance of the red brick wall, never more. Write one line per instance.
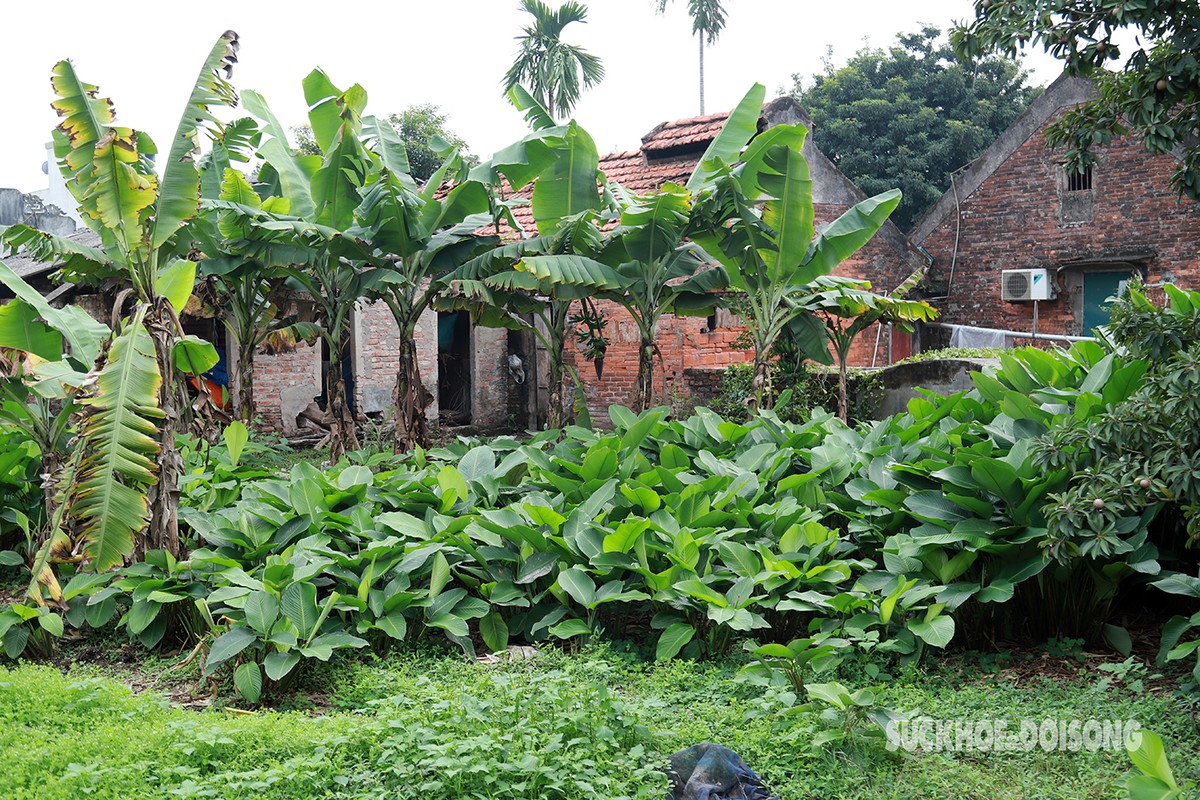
(683, 347)
(1014, 221)
(284, 384)
(377, 357)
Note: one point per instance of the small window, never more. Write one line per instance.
(1080, 181)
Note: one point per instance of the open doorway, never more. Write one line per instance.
(215, 382)
(454, 368)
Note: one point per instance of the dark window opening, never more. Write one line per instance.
(454, 368)
(1080, 181)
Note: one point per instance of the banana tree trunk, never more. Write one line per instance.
(556, 415)
(342, 436)
(762, 393)
(843, 391)
(51, 465)
(163, 497)
(644, 397)
(410, 399)
(243, 398)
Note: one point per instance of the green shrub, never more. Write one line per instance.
(800, 390)
(955, 352)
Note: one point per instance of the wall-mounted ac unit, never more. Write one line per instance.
(1026, 284)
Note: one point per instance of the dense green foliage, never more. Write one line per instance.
(891, 537)
(414, 724)
(909, 116)
(1151, 96)
(802, 388)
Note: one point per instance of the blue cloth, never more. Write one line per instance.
(219, 374)
(711, 772)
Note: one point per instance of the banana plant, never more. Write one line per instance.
(661, 272)
(243, 291)
(352, 224)
(847, 307)
(499, 292)
(758, 221)
(121, 484)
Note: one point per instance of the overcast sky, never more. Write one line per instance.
(449, 52)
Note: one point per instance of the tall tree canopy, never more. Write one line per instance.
(909, 116)
(708, 20)
(1155, 95)
(554, 72)
(424, 132)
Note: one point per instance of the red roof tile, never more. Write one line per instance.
(690, 133)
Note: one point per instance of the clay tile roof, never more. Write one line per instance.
(693, 133)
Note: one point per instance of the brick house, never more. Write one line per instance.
(1016, 208)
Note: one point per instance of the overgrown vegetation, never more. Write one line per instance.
(549, 728)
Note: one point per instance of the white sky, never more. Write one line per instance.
(452, 53)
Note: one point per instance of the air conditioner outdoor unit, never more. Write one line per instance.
(1026, 284)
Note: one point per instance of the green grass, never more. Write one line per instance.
(571, 726)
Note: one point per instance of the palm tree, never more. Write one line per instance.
(555, 72)
(708, 20)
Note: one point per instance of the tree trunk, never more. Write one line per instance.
(644, 397)
(555, 413)
(342, 436)
(843, 393)
(761, 393)
(701, 38)
(51, 465)
(243, 398)
(410, 399)
(163, 496)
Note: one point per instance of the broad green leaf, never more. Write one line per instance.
(1147, 753)
(739, 128)
(236, 436)
(672, 640)
(439, 577)
(570, 628)
(936, 632)
(179, 192)
(228, 645)
(278, 665)
(83, 333)
(193, 355)
(261, 609)
(494, 632)
(453, 486)
(569, 185)
(118, 439)
(578, 585)
(299, 605)
(279, 154)
(599, 464)
(248, 679)
(176, 283)
(786, 180)
(20, 329)
(846, 235)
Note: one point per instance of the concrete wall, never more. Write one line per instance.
(944, 376)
